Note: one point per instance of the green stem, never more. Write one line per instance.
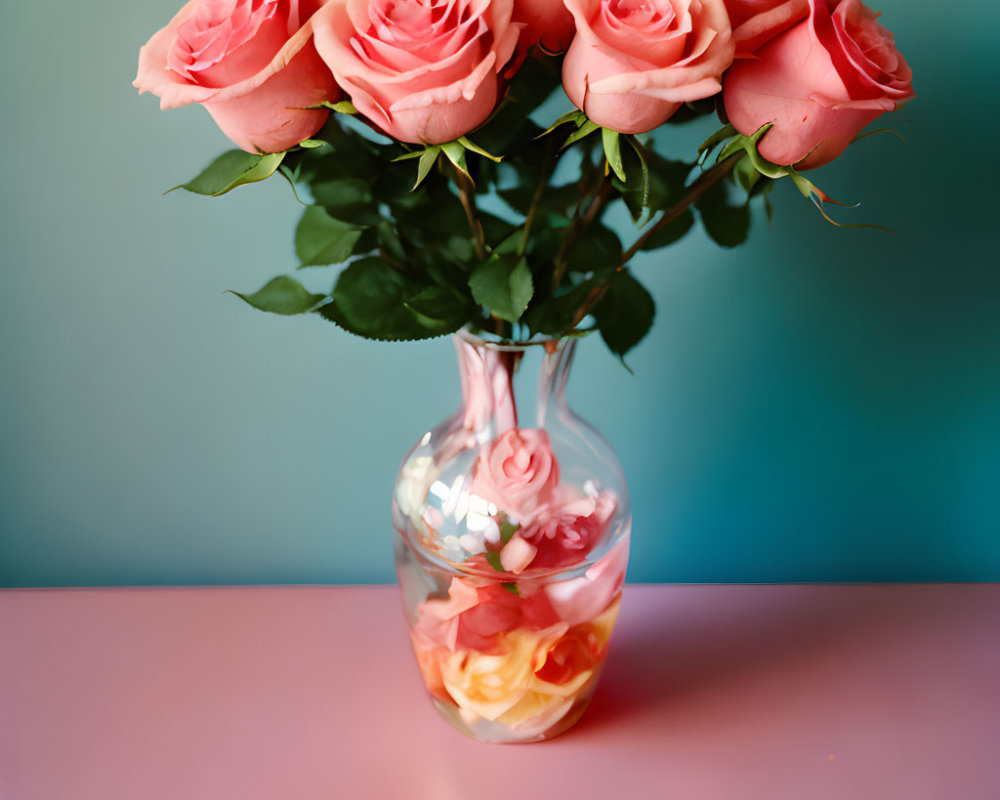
(578, 225)
(466, 194)
(543, 183)
(704, 182)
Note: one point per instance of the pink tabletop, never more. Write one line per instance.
(728, 692)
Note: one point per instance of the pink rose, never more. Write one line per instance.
(476, 615)
(579, 600)
(547, 23)
(634, 62)
(517, 472)
(424, 71)
(820, 83)
(251, 63)
(756, 22)
(570, 527)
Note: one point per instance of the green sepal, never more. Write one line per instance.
(715, 140)
(512, 588)
(427, 161)
(748, 144)
(233, 168)
(343, 107)
(455, 153)
(472, 147)
(613, 153)
(575, 116)
(586, 128)
(282, 295)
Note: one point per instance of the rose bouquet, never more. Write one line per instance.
(419, 135)
(438, 175)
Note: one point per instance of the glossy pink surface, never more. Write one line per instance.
(728, 692)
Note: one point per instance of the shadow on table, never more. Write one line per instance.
(704, 640)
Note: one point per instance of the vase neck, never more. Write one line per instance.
(495, 398)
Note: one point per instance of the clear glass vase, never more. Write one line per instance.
(511, 547)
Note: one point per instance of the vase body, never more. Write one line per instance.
(512, 531)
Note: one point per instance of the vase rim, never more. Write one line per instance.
(480, 338)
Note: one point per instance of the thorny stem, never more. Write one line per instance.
(577, 226)
(543, 183)
(704, 182)
(465, 194)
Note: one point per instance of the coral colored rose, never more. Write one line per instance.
(562, 659)
(547, 23)
(569, 528)
(634, 62)
(251, 63)
(517, 472)
(476, 615)
(576, 651)
(424, 71)
(756, 22)
(820, 83)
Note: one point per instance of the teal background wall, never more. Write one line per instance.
(818, 405)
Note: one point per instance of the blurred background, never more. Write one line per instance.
(818, 405)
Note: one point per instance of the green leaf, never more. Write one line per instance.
(555, 316)
(613, 151)
(625, 314)
(369, 300)
(233, 168)
(439, 303)
(320, 239)
(507, 531)
(598, 249)
(726, 224)
(342, 192)
(283, 295)
(503, 284)
(493, 558)
(512, 588)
